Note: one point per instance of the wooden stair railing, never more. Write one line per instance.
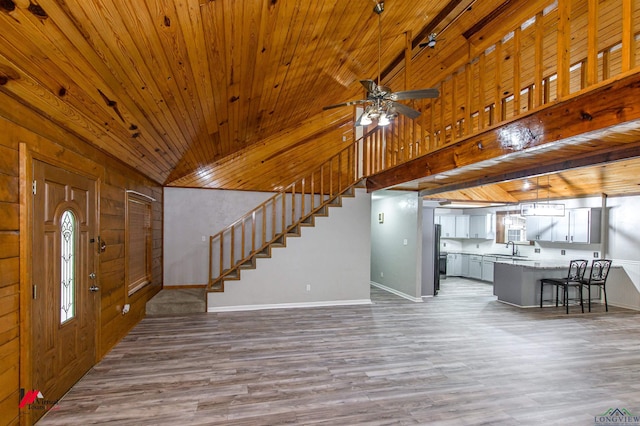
(268, 225)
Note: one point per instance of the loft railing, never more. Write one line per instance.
(281, 214)
(567, 47)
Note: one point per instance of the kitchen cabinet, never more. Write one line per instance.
(576, 226)
(448, 226)
(539, 228)
(487, 268)
(481, 226)
(475, 267)
(454, 265)
(462, 226)
(464, 265)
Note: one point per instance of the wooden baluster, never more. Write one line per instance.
(283, 216)
(454, 108)
(293, 203)
(539, 97)
(242, 237)
(497, 100)
(274, 215)
(322, 184)
(469, 95)
(313, 190)
(432, 124)
(211, 261)
(339, 172)
(330, 177)
(517, 52)
(232, 253)
(482, 66)
(592, 42)
(564, 45)
(221, 253)
(302, 206)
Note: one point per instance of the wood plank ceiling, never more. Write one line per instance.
(229, 94)
(178, 88)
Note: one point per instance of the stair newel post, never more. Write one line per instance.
(210, 259)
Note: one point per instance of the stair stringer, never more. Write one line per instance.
(332, 258)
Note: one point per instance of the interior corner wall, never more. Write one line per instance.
(327, 265)
(191, 216)
(428, 252)
(396, 242)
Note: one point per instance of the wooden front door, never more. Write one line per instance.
(64, 301)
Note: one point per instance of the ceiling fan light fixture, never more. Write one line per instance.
(383, 120)
(365, 120)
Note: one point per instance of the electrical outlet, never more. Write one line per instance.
(596, 255)
(405, 242)
(563, 252)
(308, 287)
(477, 245)
(381, 274)
(204, 238)
(536, 250)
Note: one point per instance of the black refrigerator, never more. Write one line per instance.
(439, 260)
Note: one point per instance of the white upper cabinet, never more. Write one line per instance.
(466, 226)
(576, 226)
(462, 226)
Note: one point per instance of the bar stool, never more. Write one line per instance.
(598, 277)
(574, 278)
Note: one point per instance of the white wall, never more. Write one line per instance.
(331, 258)
(191, 215)
(395, 265)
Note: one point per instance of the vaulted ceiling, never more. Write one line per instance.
(177, 87)
(224, 93)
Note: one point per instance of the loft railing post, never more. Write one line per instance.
(564, 44)
(628, 37)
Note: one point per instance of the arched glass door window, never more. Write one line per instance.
(67, 266)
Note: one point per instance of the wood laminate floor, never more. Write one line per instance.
(460, 358)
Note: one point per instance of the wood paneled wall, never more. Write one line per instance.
(20, 128)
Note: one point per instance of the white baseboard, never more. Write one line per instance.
(396, 292)
(288, 305)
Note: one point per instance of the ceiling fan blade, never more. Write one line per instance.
(414, 94)
(405, 110)
(370, 85)
(344, 104)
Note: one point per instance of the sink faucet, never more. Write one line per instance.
(514, 250)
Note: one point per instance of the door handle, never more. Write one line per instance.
(94, 288)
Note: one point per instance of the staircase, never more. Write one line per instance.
(268, 226)
(280, 240)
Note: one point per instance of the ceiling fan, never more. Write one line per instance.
(380, 104)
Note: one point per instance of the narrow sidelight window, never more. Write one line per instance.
(67, 266)
(139, 243)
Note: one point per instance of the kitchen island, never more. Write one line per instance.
(518, 283)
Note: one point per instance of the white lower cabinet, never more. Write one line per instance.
(475, 267)
(487, 268)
